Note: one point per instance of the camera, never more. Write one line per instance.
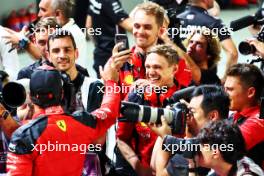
(175, 116)
(256, 19)
(187, 147)
(14, 94)
(245, 48)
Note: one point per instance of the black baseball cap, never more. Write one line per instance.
(46, 88)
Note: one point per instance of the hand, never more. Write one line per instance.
(165, 37)
(259, 47)
(140, 83)
(109, 72)
(13, 37)
(119, 58)
(161, 130)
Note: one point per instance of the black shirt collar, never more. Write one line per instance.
(77, 82)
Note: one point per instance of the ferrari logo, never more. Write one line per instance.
(128, 79)
(62, 125)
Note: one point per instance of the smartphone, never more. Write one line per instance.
(122, 38)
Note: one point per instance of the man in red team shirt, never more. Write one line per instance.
(244, 84)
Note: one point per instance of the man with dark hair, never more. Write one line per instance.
(62, 10)
(52, 127)
(62, 53)
(222, 149)
(208, 103)
(213, 102)
(244, 85)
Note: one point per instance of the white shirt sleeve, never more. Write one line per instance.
(8, 60)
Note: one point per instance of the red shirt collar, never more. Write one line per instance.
(248, 112)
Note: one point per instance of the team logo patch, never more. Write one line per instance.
(128, 79)
(62, 125)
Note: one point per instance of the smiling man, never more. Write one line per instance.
(62, 52)
(161, 64)
(147, 27)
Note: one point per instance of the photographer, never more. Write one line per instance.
(52, 126)
(208, 103)
(222, 149)
(161, 64)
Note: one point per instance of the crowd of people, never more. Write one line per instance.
(61, 129)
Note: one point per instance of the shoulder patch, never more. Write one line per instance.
(24, 138)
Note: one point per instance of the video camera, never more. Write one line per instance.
(246, 49)
(176, 116)
(256, 19)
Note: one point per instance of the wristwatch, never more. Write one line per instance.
(23, 43)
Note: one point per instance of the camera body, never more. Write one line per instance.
(176, 116)
(245, 48)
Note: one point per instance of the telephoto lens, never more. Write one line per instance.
(175, 116)
(245, 48)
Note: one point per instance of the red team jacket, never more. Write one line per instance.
(66, 136)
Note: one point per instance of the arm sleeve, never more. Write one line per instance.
(9, 60)
(109, 110)
(19, 165)
(95, 96)
(221, 30)
(114, 11)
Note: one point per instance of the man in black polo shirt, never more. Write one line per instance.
(196, 15)
(106, 17)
